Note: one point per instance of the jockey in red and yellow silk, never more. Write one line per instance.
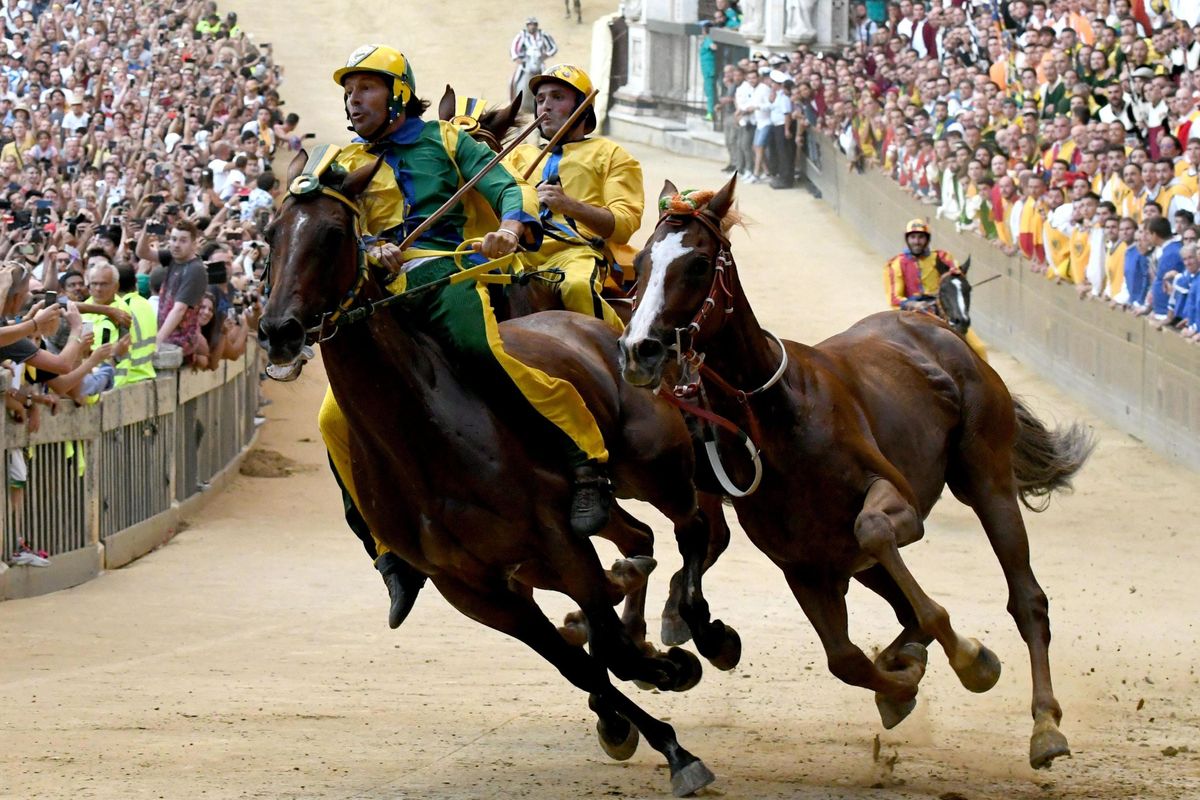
(914, 277)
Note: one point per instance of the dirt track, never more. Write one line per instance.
(250, 657)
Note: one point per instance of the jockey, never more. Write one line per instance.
(532, 41)
(591, 195)
(424, 163)
(913, 276)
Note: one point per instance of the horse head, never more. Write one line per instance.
(315, 261)
(490, 127)
(684, 272)
(954, 299)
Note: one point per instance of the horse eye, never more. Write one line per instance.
(697, 267)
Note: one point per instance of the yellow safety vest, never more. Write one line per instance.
(143, 332)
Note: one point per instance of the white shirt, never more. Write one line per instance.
(761, 100)
(781, 106)
(742, 97)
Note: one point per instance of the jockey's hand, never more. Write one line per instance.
(498, 243)
(552, 196)
(388, 254)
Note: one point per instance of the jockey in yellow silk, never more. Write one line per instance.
(591, 195)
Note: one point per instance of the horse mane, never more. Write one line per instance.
(693, 201)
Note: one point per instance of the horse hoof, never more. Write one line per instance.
(915, 652)
(892, 712)
(675, 631)
(691, 779)
(1047, 744)
(730, 653)
(632, 573)
(982, 673)
(690, 669)
(618, 747)
(574, 629)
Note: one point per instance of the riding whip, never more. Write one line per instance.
(466, 187)
(568, 125)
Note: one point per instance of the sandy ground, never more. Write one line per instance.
(250, 657)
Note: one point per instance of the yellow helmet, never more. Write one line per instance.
(916, 226)
(574, 77)
(569, 74)
(382, 60)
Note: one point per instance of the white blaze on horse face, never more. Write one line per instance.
(663, 254)
(962, 302)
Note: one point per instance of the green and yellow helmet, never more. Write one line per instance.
(385, 61)
(574, 77)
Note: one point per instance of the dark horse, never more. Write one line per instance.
(468, 496)
(859, 435)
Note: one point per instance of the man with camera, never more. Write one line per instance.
(183, 288)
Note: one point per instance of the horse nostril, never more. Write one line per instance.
(648, 350)
(280, 331)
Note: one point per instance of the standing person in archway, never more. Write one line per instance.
(529, 50)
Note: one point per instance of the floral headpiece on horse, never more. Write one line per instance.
(694, 202)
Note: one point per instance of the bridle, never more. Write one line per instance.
(326, 327)
(689, 394)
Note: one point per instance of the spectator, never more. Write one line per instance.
(183, 286)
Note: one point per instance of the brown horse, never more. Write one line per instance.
(859, 435)
(471, 497)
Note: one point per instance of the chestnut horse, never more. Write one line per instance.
(472, 497)
(859, 435)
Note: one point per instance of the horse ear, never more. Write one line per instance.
(509, 116)
(297, 165)
(723, 200)
(966, 265)
(667, 190)
(446, 106)
(357, 181)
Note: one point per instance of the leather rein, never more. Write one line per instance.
(690, 395)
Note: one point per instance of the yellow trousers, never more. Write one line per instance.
(583, 279)
(336, 434)
(976, 343)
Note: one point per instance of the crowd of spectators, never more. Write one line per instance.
(136, 142)
(1061, 129)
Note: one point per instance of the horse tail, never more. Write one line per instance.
(1044, 460)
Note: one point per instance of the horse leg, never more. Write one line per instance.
(877, 579)
(519, 617)
(993, 497)
(823, 598)
(886, 519)
(635, 540)
(702, 535)
(716, 539)
(580, 577)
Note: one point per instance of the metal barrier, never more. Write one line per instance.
(96, 472)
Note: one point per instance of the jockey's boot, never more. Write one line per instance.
(591, 496)
(403, 582)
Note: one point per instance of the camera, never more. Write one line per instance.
(156, 228)
(218, 271)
